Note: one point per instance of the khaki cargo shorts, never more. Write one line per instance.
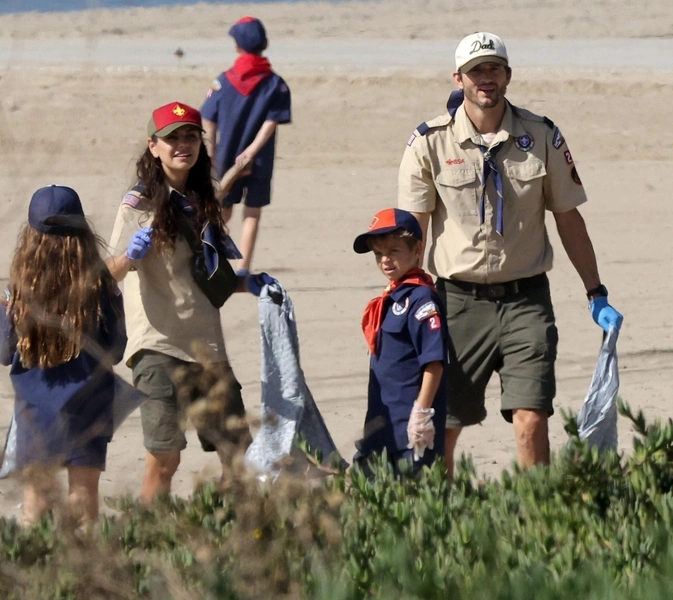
(173, 386)
(515, 336)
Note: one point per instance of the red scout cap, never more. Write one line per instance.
(168, 118)
(386, 221)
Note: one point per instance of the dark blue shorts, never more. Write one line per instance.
(58, 440)
(253, 191)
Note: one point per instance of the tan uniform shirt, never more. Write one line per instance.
(165, 310)
(442, 173)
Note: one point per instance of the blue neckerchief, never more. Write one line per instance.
(210, 238)
(455, 100)
(491, 168)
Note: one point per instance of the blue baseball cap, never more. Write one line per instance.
(249, 34)
(56, 209)
(387, 221)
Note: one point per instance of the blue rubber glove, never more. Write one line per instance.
(140, 243)
(255, 283)
(604, 315)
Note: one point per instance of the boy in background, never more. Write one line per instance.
(406, 332)
(240, 114)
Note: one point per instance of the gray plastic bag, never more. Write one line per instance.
(289, 412)
(597, 419)
(126, 400)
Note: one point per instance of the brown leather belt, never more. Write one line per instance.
(494, 291)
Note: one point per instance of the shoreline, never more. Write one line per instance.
(614, 55)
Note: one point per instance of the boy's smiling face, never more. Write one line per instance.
(394, 256)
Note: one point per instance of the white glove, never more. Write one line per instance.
(421, 430)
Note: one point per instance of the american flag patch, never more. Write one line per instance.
(411, 139)
(131, 199)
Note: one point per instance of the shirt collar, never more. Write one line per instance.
(509, 127)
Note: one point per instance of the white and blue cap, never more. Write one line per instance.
(479, 48)
(56, 209)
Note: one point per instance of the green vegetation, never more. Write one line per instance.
(589, 527)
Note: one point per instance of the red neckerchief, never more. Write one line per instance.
(373, 317)
(247, 72)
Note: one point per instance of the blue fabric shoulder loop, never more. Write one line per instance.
(455, 100)
(423, 128)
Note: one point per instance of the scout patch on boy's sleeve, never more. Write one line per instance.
(429, 309)
(434, 322)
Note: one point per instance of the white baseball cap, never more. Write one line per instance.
(479, 48)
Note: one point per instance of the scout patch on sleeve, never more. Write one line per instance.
(429, 309)
(569, 158)
(411, 139)
(557, 140)
(434, 323)
(216, 86)
(132, 199)
(575, 175)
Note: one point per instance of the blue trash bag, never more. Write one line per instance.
(289, 412)
(597, 419)
(126, 400)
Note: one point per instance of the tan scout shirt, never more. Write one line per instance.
(442, 173)
(165, 310)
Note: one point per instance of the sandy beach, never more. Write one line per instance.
(76, 91)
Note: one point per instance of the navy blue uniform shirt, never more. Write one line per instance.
(239, 119)
(64, 413)
(413, 334)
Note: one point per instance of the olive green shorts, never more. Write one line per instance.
(514, 336)
(172, 386)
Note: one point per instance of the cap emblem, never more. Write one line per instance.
(178, 111)
(477, 46)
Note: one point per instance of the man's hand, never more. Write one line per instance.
(140, 243)
(604, 315)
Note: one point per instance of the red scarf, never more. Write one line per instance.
(247, 72)
(374, 313)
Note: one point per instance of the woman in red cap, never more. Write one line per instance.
(172, 324)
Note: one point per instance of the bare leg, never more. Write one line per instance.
(251, 217)
(37, 491)
(159, 470)
(450, 438)
(532, 437)
(83, 491)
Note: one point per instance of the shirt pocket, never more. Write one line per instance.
(526, 179)
(458, 189)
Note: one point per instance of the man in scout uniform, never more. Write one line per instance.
(486, 172)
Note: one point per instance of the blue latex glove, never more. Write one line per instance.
(140, 243)
(604, 315)
(255, 283)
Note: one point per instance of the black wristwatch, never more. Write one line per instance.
(601, 290)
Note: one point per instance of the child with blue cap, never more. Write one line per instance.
(407, 336)
(61, 330)
(242, 110)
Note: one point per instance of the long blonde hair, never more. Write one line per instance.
(56, 285)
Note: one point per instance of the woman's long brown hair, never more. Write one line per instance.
(56, 285)
(198, 190)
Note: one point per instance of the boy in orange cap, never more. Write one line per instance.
(407, 337)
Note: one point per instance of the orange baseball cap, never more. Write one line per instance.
(386, 221)
(169, 117)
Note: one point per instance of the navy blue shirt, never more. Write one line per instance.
(413, 334)
(59, 409)
(239, 119)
